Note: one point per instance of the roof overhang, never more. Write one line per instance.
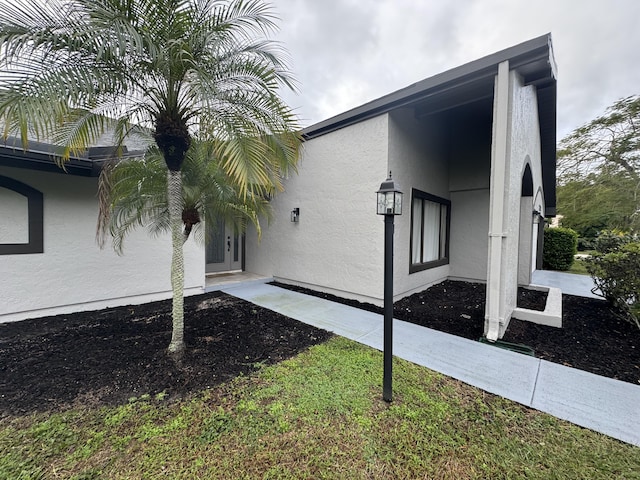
(45, 157)
(471, 83)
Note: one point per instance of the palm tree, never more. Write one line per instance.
(133, 193)
(73, 69)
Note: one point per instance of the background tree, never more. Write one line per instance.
(598, 202)
(73, 69)
(599, 172)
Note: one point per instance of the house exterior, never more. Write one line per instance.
(474, 152)
(50, 262)
(473, 149)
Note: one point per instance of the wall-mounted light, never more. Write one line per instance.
(295, 215)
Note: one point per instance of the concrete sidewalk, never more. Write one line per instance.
(608, 406)
(569, 283)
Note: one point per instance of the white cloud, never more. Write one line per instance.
(347, 52)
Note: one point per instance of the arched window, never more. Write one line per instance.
(527, 182)
(33, 243)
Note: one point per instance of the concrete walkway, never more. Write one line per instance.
(599, 403)
(569, 283)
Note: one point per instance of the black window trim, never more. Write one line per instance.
(35, 219)
(419, 267)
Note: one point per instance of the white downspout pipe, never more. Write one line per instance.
(497, 233)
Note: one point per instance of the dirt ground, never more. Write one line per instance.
(107, 357)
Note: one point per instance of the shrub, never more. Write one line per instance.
(586, 244)
(560, 245)
(617, 275)
(610, 241)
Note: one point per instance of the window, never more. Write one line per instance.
(35, 242)
(429, 231)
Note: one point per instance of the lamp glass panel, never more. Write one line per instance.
(382, 204)
(390, 202)
(398, 204)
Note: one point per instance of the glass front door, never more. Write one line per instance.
(224, 249)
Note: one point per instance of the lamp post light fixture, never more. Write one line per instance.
(389, 205)
(389, 198)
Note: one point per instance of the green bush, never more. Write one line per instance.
(610, 241)
(586, 244)
(560, 245)
(617, 275)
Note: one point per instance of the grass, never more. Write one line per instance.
(318, 415)
(578, 267)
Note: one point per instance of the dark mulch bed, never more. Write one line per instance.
(106, 357)
(593, 338)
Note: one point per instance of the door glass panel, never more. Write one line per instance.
(216, 245)
(236, 248)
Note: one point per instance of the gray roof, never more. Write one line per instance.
(468, 84)
(42, 156)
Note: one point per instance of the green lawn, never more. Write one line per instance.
(318, 415)
(578, 267)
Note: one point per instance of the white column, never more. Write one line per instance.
(494, 312)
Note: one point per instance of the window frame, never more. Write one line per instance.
(35, 219)
(444, 259)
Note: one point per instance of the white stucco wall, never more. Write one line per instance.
(338, 244)
(73, 274)
(516, 141)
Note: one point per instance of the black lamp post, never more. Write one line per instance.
(389, 204)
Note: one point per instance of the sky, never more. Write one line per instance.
(344, 53)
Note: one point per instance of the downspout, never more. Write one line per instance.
(541, 222)
(497, 234)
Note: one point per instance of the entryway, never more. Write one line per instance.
(219, 281)
(224, 249)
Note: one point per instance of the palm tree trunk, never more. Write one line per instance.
(174, 194)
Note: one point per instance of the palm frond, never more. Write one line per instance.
(133, 193)
(75, 68)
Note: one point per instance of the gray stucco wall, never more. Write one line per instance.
(418, 159)
(526, 241)
(470, 167)
(448, 156)
(469, 240)
(338, 244)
